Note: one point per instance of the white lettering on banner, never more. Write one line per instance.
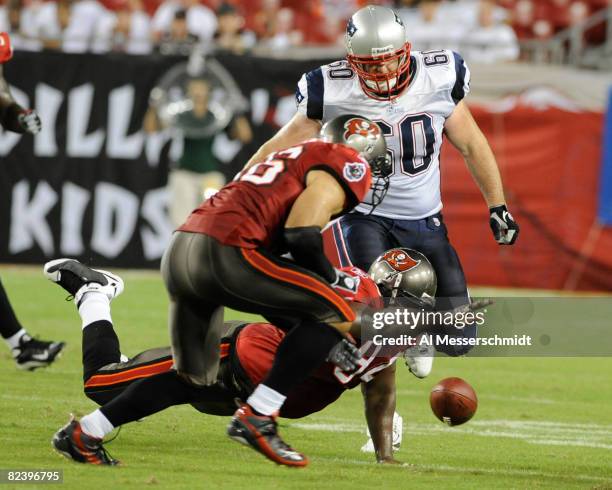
(115, 217)
(260, 101)
(119, 144)
(28, 222)
(48, 102)
(285, 110)
(74, 203)
(155, 237)
(224, 148)
(79, 143)
(153, 146)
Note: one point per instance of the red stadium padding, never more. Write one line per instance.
(550, 162)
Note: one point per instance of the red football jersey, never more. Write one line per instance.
(251, 211)
(257, 343)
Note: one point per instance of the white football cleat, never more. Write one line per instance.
(78, 279)
(419, 359)
(398, 431)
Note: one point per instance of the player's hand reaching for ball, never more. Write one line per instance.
(504, 228)
(29, 121)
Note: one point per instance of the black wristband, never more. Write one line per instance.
(306, 247)
(10, 118)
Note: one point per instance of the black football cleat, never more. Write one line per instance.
(260, 432)
(78, 279)
(33, 353)
(73, 443)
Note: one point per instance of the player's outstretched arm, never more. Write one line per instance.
(13, 117)
(298, 129)
(464, 133)
(379, 401)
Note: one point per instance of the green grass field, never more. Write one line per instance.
(541, 423)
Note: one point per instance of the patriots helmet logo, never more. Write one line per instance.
(399, 260)
(360, 127)
(351, 29)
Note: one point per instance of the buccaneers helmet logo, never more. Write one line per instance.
(361, 127)
(399, 260)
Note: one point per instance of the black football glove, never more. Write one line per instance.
(346, 285)
(29, 121)
(345, 355)
(505, 229)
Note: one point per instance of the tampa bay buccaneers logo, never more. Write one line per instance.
(399, 260)
(361, 127)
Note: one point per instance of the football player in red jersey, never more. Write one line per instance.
(29, 353)
(132, 389)
(228, 254)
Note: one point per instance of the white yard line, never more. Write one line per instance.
(474, 471)
(597, 436)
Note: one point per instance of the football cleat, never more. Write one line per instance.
(260, 432)
(78, 279)
(33, 353)
(419, 359)
(73, 443)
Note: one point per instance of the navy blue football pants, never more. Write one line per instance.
(359, 239)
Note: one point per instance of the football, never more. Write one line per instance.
(453, 401)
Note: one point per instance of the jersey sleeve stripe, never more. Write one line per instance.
(314, 83)
(458, 92)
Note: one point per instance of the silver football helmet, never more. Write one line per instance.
(403, 272)
(367, 138)
(377, 50)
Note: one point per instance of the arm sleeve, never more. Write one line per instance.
(461, 86)
(306, 246)
(9, 117)
(309, 94)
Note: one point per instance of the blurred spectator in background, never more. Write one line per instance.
(231, 34)
(11, 21)
(200, 20)
(196, 174)
(127, 29)
(490, 41)
(283, 32)
(177, 39)
(430, 30)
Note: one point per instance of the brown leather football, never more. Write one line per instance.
(453, 401)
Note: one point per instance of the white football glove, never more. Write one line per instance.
(29, 121)
(398, 430)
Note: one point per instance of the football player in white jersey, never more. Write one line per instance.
(416, 98)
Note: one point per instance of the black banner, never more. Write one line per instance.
(91, 185)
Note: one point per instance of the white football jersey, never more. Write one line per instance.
(412, 123)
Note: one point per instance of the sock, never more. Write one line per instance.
(95, 306)
(265, 400)
(302, 350)
(13, 340)
(9, 325)
(96, 424)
